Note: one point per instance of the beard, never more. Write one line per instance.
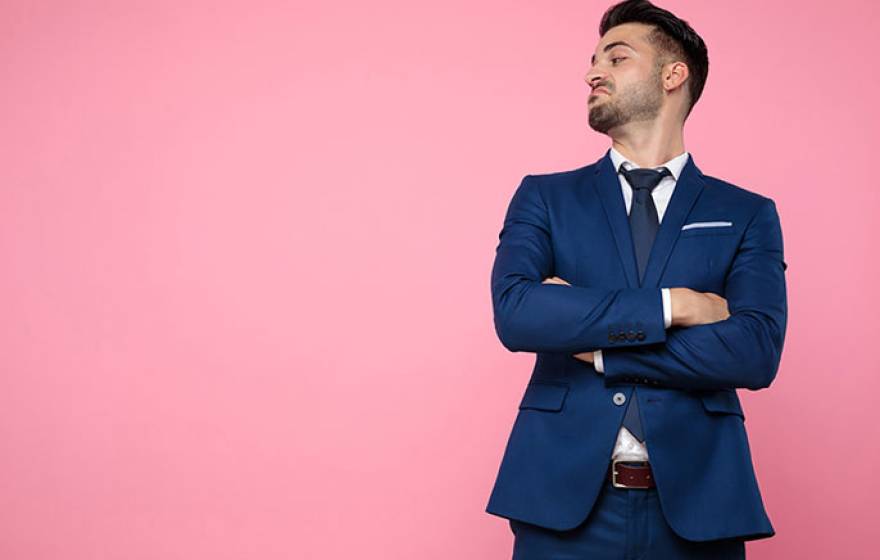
(638, 102)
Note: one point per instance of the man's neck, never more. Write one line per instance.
(650, 150)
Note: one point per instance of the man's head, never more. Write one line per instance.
(647, 61)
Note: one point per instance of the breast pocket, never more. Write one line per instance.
(707, 228)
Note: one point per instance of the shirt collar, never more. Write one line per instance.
(675, 165)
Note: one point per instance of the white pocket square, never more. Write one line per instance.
(705, 224)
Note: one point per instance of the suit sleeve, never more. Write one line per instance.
(667, 322)
(534, 317)
(744, 350)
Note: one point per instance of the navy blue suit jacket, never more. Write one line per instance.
(573, 224)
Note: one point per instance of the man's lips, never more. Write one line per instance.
(596, 93)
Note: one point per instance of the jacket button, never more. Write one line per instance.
(619, 398)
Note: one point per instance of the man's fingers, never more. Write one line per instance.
(555, 280)
(715, 296)
(585, 356)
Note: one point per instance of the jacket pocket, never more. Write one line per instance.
(723, 402)
(711, 230)
(544, 395)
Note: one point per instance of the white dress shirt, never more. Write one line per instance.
(627, 447)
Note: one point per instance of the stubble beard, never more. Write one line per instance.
(640, 102)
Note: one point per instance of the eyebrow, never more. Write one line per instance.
(610, 46)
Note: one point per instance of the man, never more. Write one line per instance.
(649, 292)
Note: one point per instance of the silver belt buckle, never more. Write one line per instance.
(614, 473)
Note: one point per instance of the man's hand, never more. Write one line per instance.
(691, 308)
(554, 280)
(584, 357)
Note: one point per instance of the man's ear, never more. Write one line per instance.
(675, 75)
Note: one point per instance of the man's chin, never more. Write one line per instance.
(599, 125)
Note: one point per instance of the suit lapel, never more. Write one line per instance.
(608, 186)
(687, 189)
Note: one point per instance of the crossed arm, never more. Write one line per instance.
(532, 316)
(742, 351)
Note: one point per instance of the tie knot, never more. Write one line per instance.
(644, 178)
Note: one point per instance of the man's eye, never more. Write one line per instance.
(615, 59)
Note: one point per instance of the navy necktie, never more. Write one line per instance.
(643, 220)
(644, 223)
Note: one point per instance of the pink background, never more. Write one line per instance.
(246, 252)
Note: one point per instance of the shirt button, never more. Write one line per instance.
(619, 398)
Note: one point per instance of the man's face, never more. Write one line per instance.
(625, 81)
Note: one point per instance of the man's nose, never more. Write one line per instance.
(594, 76)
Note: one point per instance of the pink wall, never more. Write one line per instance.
(246, 252)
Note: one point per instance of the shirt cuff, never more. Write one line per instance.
(667, 307)
(597, 361)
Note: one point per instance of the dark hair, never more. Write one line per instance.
(673, 39)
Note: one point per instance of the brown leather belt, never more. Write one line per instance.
(631, 474)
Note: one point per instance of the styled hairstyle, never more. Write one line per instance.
(672, 38)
